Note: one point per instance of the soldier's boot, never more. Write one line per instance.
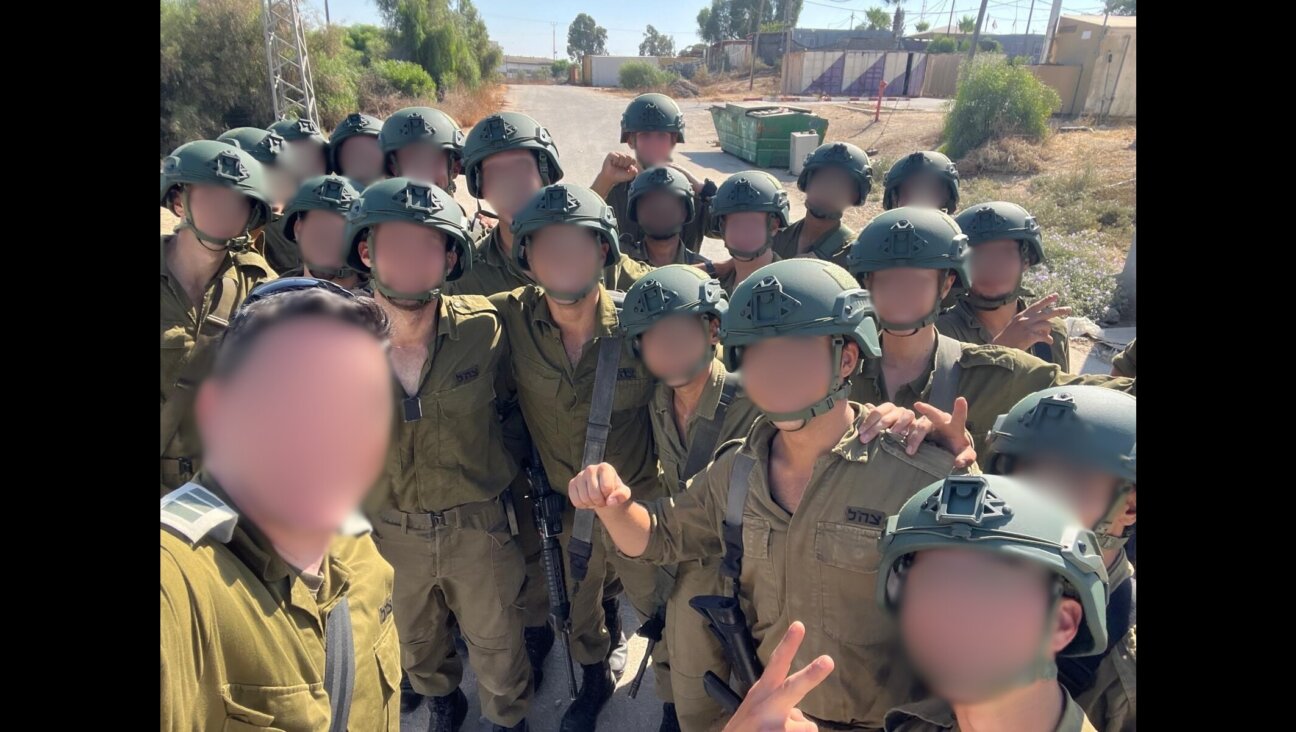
(519, 727)
(538, 639)
(670, 722)
(619, 653)
(597, 686)
(410, 699)
(447, 712)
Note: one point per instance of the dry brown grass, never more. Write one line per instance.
(469, 107)
(1010, 156)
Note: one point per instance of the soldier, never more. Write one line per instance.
(1080, 442)
(220, 194)
(748, 210)
(661, 204)
(1005, 242)
(508, 157)
(439, 511)
(566, 237)
(1123, 362)
(424, 144)
(909, 258)
(799, 504)
(696, 407)
(310, 148)
(271, 151)
(353, 150)
(927, 179)
(275, 606)
(315, 221)
(651, 126)
(836, 176)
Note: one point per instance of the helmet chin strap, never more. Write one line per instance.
(237, 244)
(422, 297)
(890, 326)
(838, 390)
(820, 213)
(332, 274)
(981, 302)
(662, 235)
(752, 256)
(1108, 541)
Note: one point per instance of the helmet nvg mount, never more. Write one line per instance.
(566, 203)
(208, 162)
(424, 125)
(652, 113)
(509, 131)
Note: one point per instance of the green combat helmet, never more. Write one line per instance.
(208, 162)
(509, 131)
(354, 125)
(566, 203)
(1001, 220)
(401, 199)
(420, 124)
(264, 145)
(842, 155)
(921, 162)
(298, 129)
(750, 190)
(1088, 426)
(909, 236)
(660, 178)
(676, 289)
(321, 193)
(652, 113)
(1013, 519)
(807, 297)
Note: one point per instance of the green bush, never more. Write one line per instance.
(995, 100)
(406, 78)
(641, 75)
(942, 44)
(559, 68)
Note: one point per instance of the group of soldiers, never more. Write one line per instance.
(857, 453)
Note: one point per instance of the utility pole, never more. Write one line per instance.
(326, 14)
(787, 38)
(852, 23)
(554, 28)
(951, 21)
(976, 32)
(1052, 28)
(1029, 15)
(751, 77)
(291, 87)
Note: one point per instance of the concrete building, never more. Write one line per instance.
(521, 67)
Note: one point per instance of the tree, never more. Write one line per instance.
(452, 45)
(878, 19)
(559, 68)
(712, 22)
(898, 24)
(922, 26)
(656, 44)
(728, 19)
(586, 38)
(1120, 7)
(967, 24)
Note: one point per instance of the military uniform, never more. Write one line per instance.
(694, 649)
(935, 715)
(692, 234)
(991, 378)
(638, 251)
(817, 566)
(961, 323)
(281, 253)
(362, 282)
(493, 271)
(243, 632)
(730, 282)
(1123, 362)
(832, 246)
(183, 326)
(1110, 701)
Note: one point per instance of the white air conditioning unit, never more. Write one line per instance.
(803, 143)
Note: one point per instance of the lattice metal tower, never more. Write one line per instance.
(291, 86)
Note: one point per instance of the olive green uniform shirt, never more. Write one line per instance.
(991, 378)
(451, 450)
(638, 251)
(819, 565)
(672, 452)
(1123, 362)
(692, 235)
(833, 246)
(281, 253)
(1110, 702)
(243, 634)
(555, 395)
(362, 279)
(182, 325)
(961, 323)
(494, 271)
(935, 715)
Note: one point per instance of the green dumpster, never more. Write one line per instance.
(760, 132)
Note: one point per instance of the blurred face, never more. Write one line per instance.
(408, 257)
(746, 232)
(970, 620)
(321, 236)
(997, 267)
(218, 211)
(831, 190)
(674, 346)
(307, 158)
(661, 214)
(361, 158)
(565, 257)
(283, 185)
(923, 189)
(508, 180)
(299, 460)
(1089, 492)
(421, 161)
(907, 294)
(652, 148)
(788, 373)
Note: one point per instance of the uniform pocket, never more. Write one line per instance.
(848, 560)
(508, 566)
(304, 706)
(632, 393)
(387, 651)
